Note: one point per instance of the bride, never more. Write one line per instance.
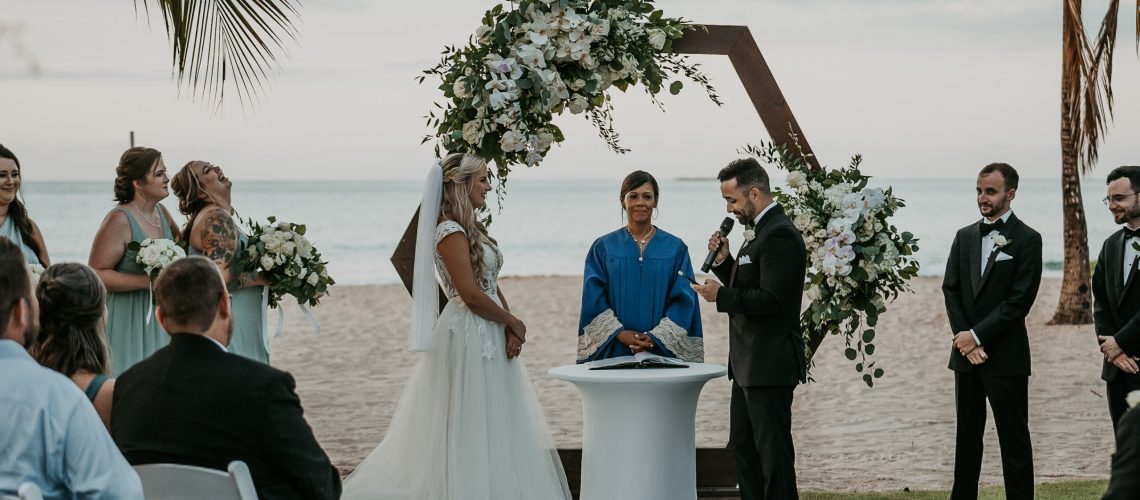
(468, 425)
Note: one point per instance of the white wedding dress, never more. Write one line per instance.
(468, 425)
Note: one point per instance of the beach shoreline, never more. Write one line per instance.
(898, 434)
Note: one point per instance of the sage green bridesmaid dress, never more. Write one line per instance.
(130, 337)
(249, 337)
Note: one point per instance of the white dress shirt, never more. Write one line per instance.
(755, 221)
(988, 239)
(1130, 254)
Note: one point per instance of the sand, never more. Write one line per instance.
(897, 434)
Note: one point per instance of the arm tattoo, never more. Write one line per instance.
(220, 240)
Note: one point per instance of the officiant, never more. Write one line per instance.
(633, 299)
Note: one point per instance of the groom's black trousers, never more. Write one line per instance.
(761, 440)
(1009, 400)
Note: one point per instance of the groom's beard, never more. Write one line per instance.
(747, 215)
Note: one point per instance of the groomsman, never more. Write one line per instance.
(991, 281)
(1115, 299)
(762, 297)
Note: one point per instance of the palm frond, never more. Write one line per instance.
(220, 43)
(1087, 81)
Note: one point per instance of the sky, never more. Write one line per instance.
(921, 88)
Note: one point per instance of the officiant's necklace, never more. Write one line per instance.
(641, 242)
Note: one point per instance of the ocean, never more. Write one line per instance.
(544, 227)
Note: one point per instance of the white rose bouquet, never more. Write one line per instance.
(154, 254)
(287, 260)
(533, 59)
(857, 260)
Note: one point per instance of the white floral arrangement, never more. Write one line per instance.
(857, 259)
(288, 261)
(537, 58)
(1133, 399)
(154, 254)
(36, 271)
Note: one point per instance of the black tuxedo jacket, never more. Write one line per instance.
(1124, 484)
(1115, 306)
(763, 299)
(192, 403)
(995, 304)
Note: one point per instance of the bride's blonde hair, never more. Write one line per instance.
(459, 170)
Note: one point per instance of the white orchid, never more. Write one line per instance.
(505, 68)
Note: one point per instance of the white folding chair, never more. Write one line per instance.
(26, 491)
(186, 482)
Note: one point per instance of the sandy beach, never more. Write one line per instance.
(848, 436)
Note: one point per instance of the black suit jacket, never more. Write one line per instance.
(995, 304)
(1115, 307)
(1124, 483)
(192, 403)
(766, 346)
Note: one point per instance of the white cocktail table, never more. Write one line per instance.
(638, 436)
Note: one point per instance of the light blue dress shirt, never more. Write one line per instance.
(51, 436)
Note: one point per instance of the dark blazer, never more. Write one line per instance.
(1124, 484)
(1115, 307)
(191, 403)
(766, 346)
(994, 305)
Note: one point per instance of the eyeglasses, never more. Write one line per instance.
(1118, 198)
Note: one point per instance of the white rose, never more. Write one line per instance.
(578, 104)
(267, 262)
(460, 89)
(289, 248)
(796, 179)
(473, 132)
(656, 38)
(1133, 399)
(313, 279)
(1000, 241)
(512, 140)
(802, 221)
(601, 28)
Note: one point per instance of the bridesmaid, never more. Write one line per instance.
(140, 183)
(15, 225)
(203, 193)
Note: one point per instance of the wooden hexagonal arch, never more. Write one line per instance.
(738, 44)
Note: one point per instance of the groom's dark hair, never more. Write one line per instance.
(188, 291)
(1131, 172)
(748, 174)
(1008, 174)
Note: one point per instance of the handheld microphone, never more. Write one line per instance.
(725, 228)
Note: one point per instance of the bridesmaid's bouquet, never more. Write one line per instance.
(154, 254)
(290, 264)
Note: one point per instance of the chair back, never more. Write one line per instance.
(187, 482)
(26, 491)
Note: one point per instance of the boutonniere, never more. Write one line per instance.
(1133, 399)
(749, 233)
(1001, 241)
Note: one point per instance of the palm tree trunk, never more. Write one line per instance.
(1075, 303)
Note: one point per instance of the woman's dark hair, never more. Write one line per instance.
(72, 301)
(135, 164)
(19, 214)
(635, 180)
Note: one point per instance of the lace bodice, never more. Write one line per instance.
(492, 262)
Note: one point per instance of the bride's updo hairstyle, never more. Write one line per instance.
(191, 197)
(455, 204)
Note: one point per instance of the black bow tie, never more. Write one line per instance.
(988, 228)
(1130, 233)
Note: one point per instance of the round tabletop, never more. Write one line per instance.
(693, 373)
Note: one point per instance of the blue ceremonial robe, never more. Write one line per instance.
(619, 292)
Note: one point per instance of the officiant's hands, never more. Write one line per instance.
(637, 342)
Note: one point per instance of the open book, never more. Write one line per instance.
(639, 360)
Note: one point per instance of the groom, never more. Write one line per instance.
(991, 281)
(766, 350)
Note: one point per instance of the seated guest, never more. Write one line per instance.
(52, 436)
(194, 403)
(1125, 481)
(632, 297)
(71, 299)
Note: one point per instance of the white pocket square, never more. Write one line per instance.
(745, 260)
(1002, 256)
